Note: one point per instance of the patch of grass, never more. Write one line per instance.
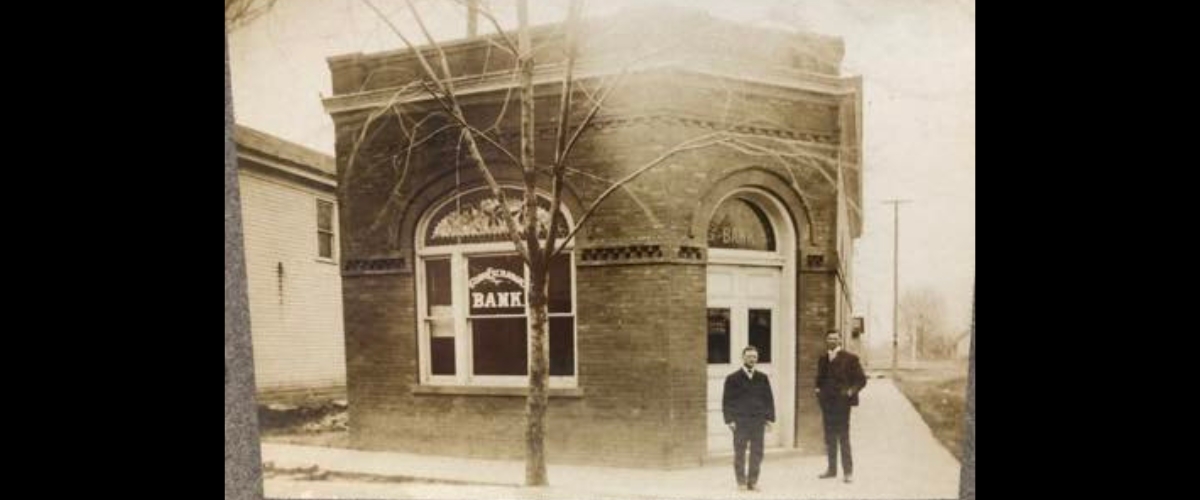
(323, 424)
(940, 396)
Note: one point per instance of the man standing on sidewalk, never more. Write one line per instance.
(840, 377)
(748, 407)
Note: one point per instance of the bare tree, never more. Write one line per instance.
(923, 318)
(538, 240)
(240, 12)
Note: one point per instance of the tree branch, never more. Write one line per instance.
(367, 125)
(455, 111)
(448, 81)
(395, 192)
(528, 132)
(564, 119)
(625, 188)
(696, 143)
(587, 120)
(504, 106)
(795, 187)
(511, 46)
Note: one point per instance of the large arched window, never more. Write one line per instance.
(471, 301)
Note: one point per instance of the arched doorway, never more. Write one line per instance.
(751, 301)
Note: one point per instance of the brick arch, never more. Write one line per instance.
(799, 208)
(443, 186)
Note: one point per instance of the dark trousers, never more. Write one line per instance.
(748, 432)
(836, 418)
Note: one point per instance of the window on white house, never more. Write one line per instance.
(325, 229)
(472, 304)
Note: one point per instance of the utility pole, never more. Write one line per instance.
(472, 18)
(895, 281)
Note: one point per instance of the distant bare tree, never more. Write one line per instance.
(240, 12)
(923, 319)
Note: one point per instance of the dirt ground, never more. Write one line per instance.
(313, 424)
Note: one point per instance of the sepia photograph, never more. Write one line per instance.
(605, 249)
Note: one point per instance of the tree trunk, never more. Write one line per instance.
(539, 378)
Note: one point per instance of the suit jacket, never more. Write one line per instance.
(745, 398)
(835, 378)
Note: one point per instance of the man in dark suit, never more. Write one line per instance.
(748, 407)
(840, 377)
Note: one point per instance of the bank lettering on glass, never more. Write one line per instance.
(728, 236)
(494, 289)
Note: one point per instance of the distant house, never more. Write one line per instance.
(289, 214)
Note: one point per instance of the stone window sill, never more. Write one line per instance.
(462, 390)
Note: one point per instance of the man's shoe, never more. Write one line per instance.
(849, 478)
(752, 487)
(828, 474)
(741, 486)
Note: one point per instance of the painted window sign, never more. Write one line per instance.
(477, 217)
(496, 285)
(741, 225)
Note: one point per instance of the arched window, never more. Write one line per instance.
(472, 306)
(739, 224)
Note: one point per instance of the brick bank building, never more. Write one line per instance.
(713, 249)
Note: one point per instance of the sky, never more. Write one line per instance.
(916, 58)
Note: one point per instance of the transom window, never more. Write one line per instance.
(739, 224)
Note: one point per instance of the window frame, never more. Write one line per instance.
(332, 231)
(459, 255)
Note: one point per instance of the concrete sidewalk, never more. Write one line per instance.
(896, 456)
